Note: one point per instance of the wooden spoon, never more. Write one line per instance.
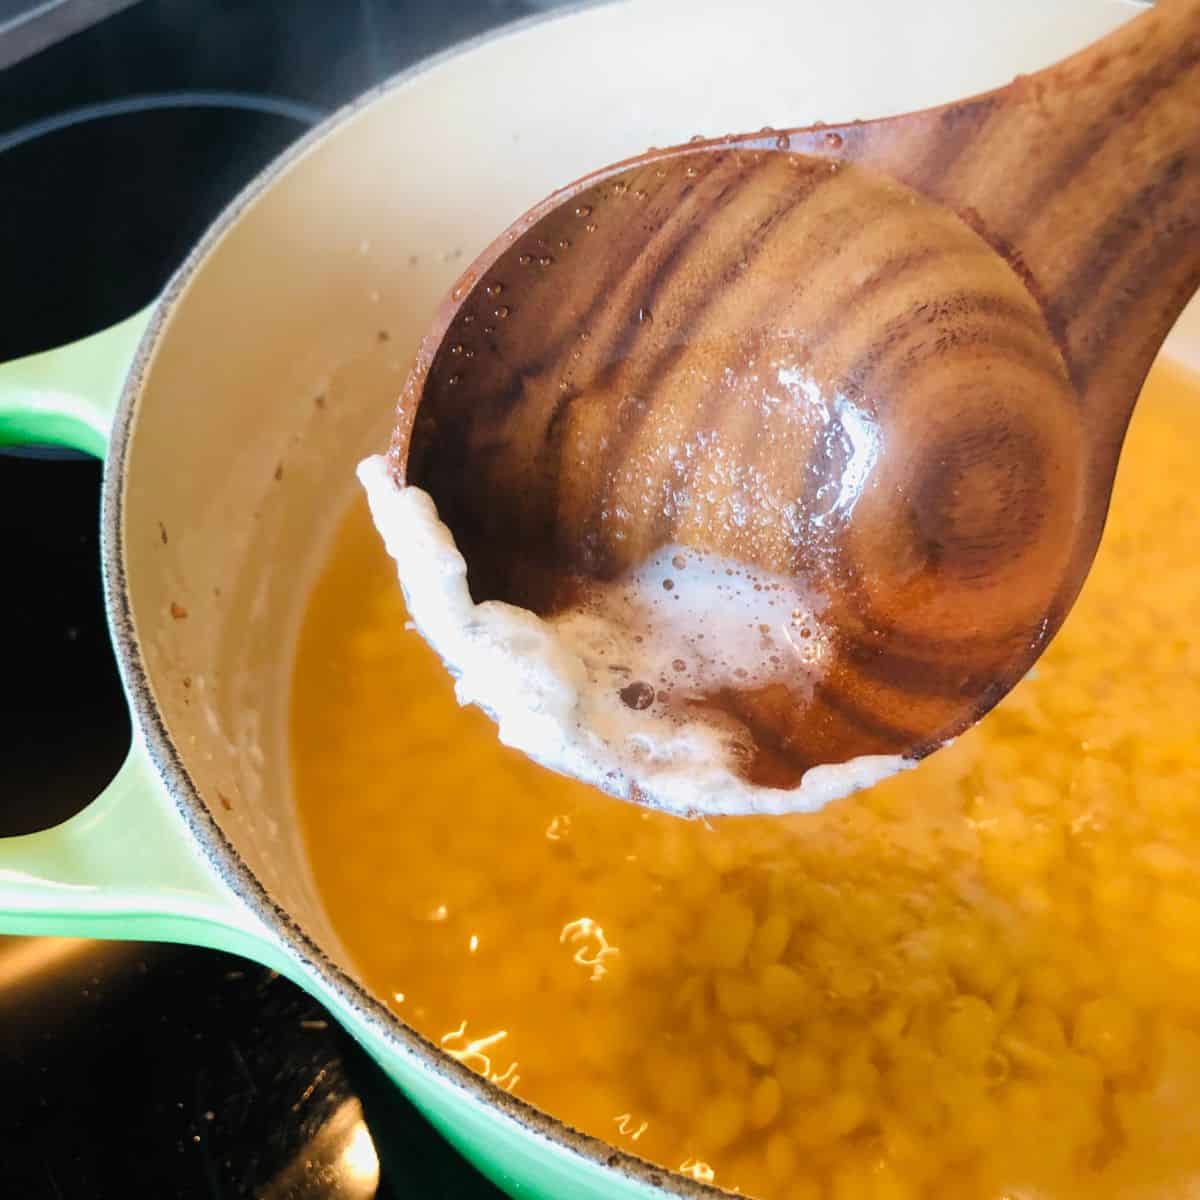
(893, 359)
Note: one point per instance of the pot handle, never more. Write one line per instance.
(66, 397)
(127, 865)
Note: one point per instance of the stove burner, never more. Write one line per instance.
(104, 201)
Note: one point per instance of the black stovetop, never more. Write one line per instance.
(130, 1070)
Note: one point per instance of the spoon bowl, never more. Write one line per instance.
(882, 370)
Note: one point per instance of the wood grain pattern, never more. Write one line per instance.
(894, 358)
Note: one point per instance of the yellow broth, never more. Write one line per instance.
(980, 979)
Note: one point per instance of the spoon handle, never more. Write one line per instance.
(1086, 178)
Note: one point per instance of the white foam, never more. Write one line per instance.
(684, 625)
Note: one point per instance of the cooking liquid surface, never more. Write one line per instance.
(979, 979)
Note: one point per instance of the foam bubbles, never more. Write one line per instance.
(702, 623)
(607, 692)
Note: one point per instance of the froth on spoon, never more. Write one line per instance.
(829, 416)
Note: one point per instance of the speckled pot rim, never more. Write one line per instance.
(216, 847)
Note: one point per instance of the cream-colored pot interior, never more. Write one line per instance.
(287, 337)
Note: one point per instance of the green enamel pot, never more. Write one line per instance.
(231, 414)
